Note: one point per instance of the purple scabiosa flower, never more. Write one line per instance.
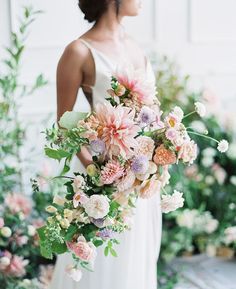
(146, 116)
(98, 146)
(140, 165)
(98, 222)
(105, 234)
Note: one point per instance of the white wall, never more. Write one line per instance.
(201, 34)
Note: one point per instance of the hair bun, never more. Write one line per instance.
(93, 9)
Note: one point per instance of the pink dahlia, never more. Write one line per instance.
(111, 172)
(141, 89)
(17, 203)
(116, 129)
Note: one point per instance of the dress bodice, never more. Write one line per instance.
(104, 68)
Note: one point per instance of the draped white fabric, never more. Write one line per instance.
(135, 266)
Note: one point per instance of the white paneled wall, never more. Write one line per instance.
(201, 34)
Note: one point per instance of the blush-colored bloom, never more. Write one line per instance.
(111, 172)
(188, 152)
(83, 250)
(164, 156)
(78, 183)
(18, 203)
(79, 198)
(1, 223)
(97, 206)
(200, 108)
(126, 182)
(149, 187)
(141, 89)
(140, 165)
(170, 203)
(145, 146)
(230, 235)
(74, 273)
(117, 129)
(17, 266)
(223, 146)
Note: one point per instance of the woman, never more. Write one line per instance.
(88, 63)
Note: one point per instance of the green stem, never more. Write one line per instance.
(202, 135)
(187, 115)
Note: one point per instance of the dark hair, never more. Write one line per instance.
(94, 9)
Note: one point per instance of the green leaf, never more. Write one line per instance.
(56, 154)
(59, 248)
(71, 232)
(70, 119)
(41, 233)
(106, 251)
(45, 250)
(98, 243)
(113, 252)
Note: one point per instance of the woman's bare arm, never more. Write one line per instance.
(69, 79)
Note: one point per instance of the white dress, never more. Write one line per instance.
(135, 266)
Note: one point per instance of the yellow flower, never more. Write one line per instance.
(91, 170)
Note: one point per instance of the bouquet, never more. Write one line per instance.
(133, 143)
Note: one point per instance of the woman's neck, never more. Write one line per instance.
(111, 27)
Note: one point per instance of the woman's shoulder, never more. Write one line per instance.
(76, 49)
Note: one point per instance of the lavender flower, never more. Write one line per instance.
(98, 222)
(140, 165)
(105, 234)
(146, 116)
(98, 146)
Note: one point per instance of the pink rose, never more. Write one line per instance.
(82, 249)
(17, 266)
(1, 223)
(18, 203)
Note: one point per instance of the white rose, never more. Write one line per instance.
(97, 206)
(6, 232)
(4, 262)
(31, 230)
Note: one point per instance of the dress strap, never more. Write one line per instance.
(88, 45)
